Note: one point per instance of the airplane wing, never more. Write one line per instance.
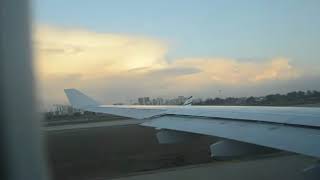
(294, 129)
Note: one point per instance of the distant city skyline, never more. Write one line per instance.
(122, 50)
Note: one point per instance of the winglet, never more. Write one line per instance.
(79, 100)
(188, 102)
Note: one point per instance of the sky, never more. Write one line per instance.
(119, 50)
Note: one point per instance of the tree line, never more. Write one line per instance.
(289, 99)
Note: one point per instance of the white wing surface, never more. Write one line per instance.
(294, 129)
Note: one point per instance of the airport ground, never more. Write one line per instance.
(122, 149)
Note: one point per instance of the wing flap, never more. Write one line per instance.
(297, 139)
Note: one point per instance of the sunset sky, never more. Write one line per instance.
(119, 50)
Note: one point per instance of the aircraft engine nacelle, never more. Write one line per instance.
(172, 137)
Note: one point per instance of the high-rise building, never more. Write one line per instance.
(160, 101)
(144, 101)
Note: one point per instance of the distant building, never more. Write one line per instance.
(260, 99)
(144, 101)
(197, 101)
(154, 102)
(181, 100)
(140, 101)
(59, 109)
(157, 101)
(160, 101)
(118, 103)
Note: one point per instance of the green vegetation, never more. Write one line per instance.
(290, 99)
(54, 118)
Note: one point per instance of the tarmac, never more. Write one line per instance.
(126, 151)
(264, 168)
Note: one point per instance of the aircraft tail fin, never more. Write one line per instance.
(188, 102)
(79, 100)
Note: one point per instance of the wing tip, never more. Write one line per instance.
(78, 99)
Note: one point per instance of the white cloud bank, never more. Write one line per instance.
(121, 67)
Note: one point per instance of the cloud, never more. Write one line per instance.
(277, 69)
(69, 51)
(232, 71)
(131, 66)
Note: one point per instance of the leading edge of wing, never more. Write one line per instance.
(299, 116)
(128, 111)
(281, 115)
(81, 101)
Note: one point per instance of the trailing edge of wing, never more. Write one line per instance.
(302, 140)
